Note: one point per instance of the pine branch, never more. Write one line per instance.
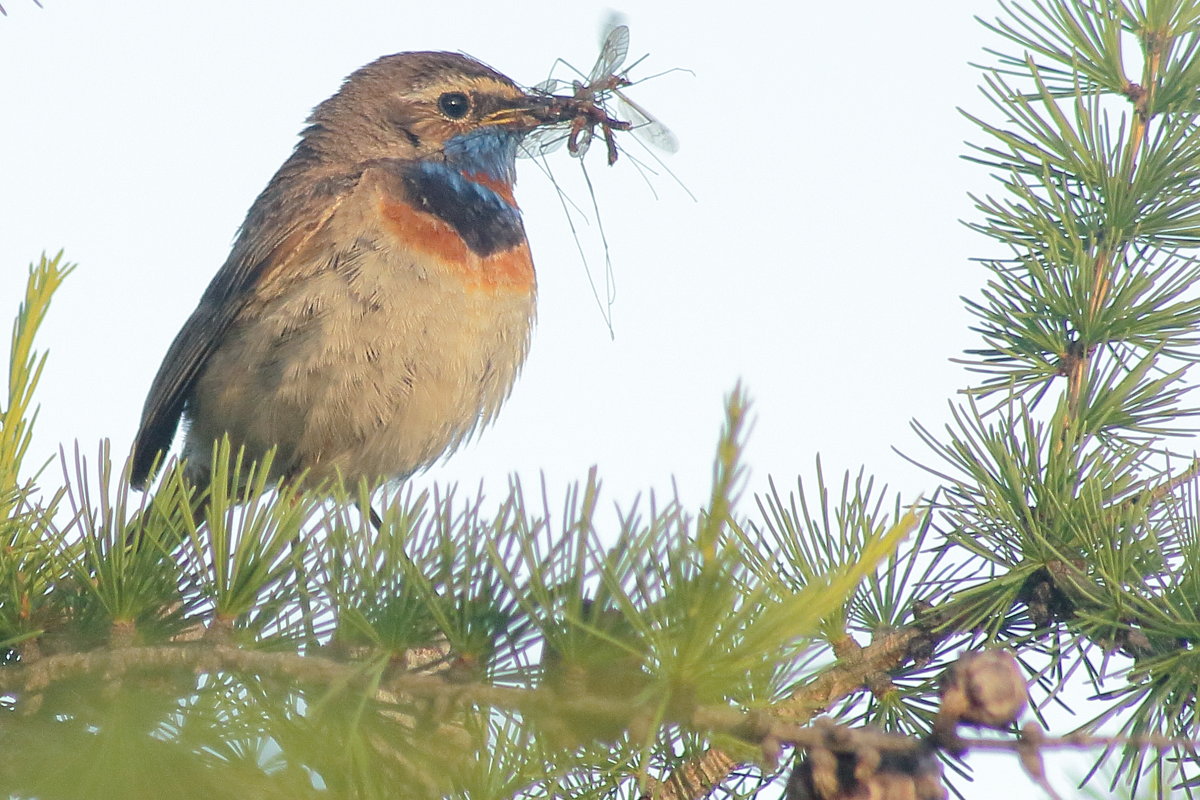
(763, 729)
(857, 668)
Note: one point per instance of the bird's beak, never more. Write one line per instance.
(529, 112)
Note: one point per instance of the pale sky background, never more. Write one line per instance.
(821, 263)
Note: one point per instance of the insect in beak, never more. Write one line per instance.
(537, 110)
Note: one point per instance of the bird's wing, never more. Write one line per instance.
(285, 217)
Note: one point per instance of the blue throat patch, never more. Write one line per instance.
(490, 151)
(487, 222)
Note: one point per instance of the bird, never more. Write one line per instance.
(378, 301)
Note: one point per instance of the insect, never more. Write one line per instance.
(582, 109)
(586, 108)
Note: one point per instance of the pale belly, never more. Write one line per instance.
(372, 367)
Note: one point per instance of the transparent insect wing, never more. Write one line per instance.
(550, 86)
(646, 126)
(583, 142)
(612, 54)
(547, 139)
(543, 141)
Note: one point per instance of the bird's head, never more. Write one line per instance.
(427, 106)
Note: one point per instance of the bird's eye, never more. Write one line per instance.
(454, 105)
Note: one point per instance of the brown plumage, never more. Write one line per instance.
(377, 304)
